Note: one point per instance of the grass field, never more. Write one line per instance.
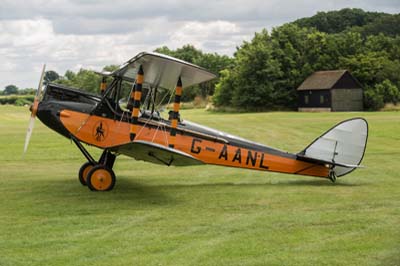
(204, 215)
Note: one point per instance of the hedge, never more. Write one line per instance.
(18, 100)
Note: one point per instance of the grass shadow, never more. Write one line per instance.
(130, 194)
(288, 183)
(125, 190)
(317, 183)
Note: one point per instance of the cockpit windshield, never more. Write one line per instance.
(153, 102)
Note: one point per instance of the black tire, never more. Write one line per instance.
(84, 171)
(101, 178)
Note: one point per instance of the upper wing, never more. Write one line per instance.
(161, 71)
(156, 153)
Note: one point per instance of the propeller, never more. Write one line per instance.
(33, 110)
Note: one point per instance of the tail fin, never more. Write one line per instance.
(342, 147)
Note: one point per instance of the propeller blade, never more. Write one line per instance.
(34, 110)
(29, 133)
(39, 90)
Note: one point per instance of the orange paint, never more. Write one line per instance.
(174, 123)
(101, 179)
(178, 90)
(139, 79)
(35, 107)
(137, 96)
(86, 171)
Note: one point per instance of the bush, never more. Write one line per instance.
(389, 91)
(22, 102)
(224, 89)
(19, 100)
(373, 100)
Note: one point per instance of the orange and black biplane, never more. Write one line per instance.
(125, 119)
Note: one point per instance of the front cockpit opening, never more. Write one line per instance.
(58, 92)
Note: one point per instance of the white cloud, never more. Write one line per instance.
(221, 36)
(26, 44)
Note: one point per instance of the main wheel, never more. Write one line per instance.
(83, 172)
(100, 178)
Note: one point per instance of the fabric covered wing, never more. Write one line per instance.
(156, 153)
(161, 71)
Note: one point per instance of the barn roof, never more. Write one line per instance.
(321, 80)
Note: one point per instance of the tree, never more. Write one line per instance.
(389, 91)
(372, 68)
(164, 50)
(214, 63)
(340, 20)
(210, 61)
(373, 100)
(10, 89)
(298, 51)
(110, 68)
(188, 53)
(27, 91)
(387, 25)
(84, 79)
(255, 74)
(50, 76)
(224, 89)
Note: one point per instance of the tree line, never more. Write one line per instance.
(264, 73)
(269, 68)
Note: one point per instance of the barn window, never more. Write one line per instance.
(321, 99)
(306, 99)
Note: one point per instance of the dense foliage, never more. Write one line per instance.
(16, 96)
(83, 79)
(19, 100)
(210, 61)
(270, 67)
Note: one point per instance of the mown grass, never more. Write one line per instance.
(204, 215)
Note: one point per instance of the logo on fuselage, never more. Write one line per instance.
(100, 131)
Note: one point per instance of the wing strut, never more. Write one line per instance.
(136, 103)
(174, 122)
(103, 85)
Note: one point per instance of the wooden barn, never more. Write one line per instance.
(335, 90)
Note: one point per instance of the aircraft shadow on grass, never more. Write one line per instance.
(130, 189)
(127, 190)
(130, 194)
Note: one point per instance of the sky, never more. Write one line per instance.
(90, 34)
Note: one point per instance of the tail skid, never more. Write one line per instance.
(341, 148)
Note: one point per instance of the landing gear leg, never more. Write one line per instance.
(332, 176)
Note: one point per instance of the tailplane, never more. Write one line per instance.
(342, 147)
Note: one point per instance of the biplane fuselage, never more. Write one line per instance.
(100, 121)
